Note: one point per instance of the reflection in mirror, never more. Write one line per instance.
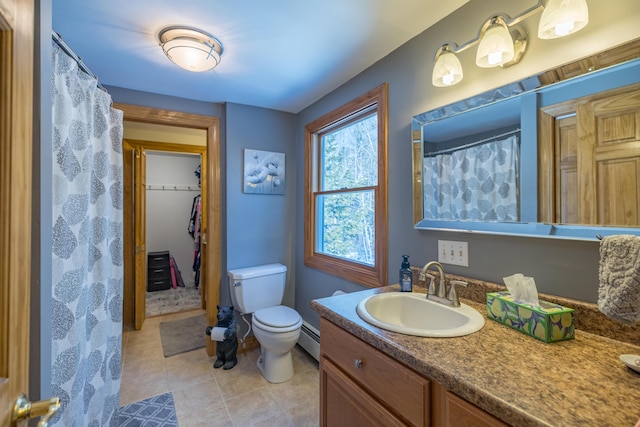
(473, 169)
(514, 160)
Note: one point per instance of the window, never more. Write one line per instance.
(346, 190)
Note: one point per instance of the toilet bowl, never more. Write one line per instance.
(259, 291)
(277, 329)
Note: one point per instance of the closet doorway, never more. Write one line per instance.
(167, 211)
(134, 250)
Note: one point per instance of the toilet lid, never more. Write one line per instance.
(279, 316)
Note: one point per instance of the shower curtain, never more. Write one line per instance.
(474, 184)
(87, 258)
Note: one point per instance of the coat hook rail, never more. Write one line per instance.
(152, 187)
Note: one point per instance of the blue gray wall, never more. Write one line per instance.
(560, 267)
(258, 226)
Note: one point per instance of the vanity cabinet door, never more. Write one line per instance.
(344, 403)
(451, 410)
(398, 388)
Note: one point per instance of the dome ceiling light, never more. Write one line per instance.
(190, 48)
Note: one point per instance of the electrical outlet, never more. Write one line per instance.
(454, 253)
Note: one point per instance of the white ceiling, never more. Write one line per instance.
(279, 54)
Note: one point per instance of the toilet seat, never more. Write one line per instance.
(278, 319)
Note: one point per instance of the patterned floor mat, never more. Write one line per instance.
(157, 411)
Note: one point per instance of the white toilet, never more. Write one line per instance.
(259, 291)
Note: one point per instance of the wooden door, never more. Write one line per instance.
(16, 49)
(16, 100)
(610, 130)
(128, 224)
(567, 197)
(589, 158)
(204, 238)
(140, 234)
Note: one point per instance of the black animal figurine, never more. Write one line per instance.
(226, 350)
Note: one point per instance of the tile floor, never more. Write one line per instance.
(205, 396)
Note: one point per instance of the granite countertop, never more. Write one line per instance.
(518, 379)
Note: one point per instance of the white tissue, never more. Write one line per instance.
(217, 334)
(337, 293)
(523, 289)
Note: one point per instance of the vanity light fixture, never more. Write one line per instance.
(190, 48)
(561, 18)
(447, 70)
(501, 42)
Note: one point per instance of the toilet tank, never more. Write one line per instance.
(255, 288)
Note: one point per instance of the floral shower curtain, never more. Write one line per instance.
(479, 183)
(87, 258)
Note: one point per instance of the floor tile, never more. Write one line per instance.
(204, 396)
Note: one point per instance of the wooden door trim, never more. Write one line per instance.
(16, 150)
(211, 196)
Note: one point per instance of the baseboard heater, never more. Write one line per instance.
(310, 340)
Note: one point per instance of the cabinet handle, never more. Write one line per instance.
(358, 363)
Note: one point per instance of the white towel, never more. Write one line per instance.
(619, 289)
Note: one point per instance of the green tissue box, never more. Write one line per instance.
(548, 323)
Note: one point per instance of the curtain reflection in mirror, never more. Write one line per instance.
(474, 183)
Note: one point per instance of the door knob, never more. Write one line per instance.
(24, 409)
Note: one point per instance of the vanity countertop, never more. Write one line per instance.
(518, 379)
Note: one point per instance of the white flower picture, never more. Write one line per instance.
(263, 172)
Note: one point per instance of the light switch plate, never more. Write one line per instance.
(453, 252)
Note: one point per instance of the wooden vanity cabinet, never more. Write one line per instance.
(360, 385)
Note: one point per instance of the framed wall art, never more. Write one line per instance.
(264, 172)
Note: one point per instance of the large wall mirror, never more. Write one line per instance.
(554, 155)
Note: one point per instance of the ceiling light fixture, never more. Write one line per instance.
(501, 42)
(190, 48)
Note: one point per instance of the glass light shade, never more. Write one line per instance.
(190, 48)
(563, 17)
(447, 70)
(495, 48)
(192, 55)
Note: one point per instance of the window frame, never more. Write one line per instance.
(372, 276)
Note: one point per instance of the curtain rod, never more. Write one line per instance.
(58, 39)
(471, 144)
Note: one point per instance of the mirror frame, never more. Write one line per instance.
(529, 89)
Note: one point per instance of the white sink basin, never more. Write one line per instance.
(413, 314)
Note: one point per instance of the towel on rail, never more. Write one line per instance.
(619, 274)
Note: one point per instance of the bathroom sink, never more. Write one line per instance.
(413, 314)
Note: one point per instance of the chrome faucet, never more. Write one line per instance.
(440, 294)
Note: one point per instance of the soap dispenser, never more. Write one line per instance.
(406, 276)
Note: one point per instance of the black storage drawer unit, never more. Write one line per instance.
(158, 271)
